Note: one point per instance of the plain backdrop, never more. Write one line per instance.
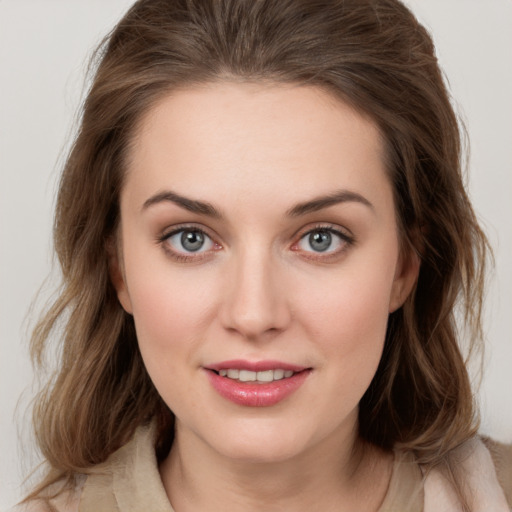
(44, 47)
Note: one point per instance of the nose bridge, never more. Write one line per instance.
(256, 303)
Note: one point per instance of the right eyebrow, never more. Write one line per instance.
(191, 205)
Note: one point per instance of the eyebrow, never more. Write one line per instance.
(205, 208)
(321, 202)
(192, 205)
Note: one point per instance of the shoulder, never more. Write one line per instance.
(476, 466)
(111, 485)
(502, 458)
(56, 498)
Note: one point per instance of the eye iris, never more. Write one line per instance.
(320, 240)
(192, 240)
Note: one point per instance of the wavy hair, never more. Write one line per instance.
(372, 54)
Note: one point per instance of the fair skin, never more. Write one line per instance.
(255, 275)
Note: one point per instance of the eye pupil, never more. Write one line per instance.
(192, 240)
(320, 240)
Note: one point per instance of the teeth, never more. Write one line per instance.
(233, 374)
(266, 376)
(278, 374)
(249, 376)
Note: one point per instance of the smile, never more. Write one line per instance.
(260, 384)
(251, 376)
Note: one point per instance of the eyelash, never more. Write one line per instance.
(183, 257)
(345, 239)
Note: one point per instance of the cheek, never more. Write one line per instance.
(347, 317)
(353, 300)
(170, 324)
(171, 313)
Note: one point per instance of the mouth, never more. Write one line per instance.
(262, 377)
(259, 384)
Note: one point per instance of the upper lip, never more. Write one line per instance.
(254, 366)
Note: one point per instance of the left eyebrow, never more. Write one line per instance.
(321, 202)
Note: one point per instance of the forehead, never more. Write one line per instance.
(250, 139)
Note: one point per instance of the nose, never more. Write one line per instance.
(255, 304)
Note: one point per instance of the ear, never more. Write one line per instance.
(406, 275)
(117, 275)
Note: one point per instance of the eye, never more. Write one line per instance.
(324, 240)
(189, 240)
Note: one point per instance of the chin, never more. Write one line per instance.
(261, 453)
(259, 442)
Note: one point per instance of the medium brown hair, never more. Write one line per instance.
(372, 54)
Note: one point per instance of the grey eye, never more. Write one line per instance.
(323, 240)
(320, 241)
(190, 240)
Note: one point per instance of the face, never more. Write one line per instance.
(258, 240)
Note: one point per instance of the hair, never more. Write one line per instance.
(373, 55)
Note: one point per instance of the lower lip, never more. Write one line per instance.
(252, 394)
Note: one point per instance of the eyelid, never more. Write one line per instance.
(325, 226)
(186, 256)
(346, 237)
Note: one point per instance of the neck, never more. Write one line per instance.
(332, 475)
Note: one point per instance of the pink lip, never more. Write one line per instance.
(253, 394)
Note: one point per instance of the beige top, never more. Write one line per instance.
(129, 481)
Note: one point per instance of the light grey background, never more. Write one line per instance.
(44, 45)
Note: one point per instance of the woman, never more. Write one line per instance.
(263, 233)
